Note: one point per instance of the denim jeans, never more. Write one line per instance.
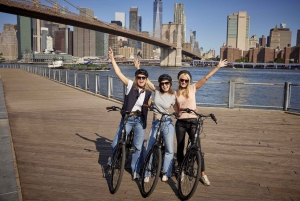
(167, 131)
(138, 140)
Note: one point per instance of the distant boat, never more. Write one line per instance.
(233, 67)
(55, 64)
(186, 64)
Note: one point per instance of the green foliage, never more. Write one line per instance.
(243, 59)
(1, 54)
(279, 60)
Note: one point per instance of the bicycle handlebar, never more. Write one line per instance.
(153, 107)
(188, 110)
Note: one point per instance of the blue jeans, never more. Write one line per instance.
(167, 131)
(138, 140)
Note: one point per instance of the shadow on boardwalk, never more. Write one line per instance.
(250, 154)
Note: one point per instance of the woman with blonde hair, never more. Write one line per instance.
(186, 98)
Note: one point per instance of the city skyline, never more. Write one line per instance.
(208, 19)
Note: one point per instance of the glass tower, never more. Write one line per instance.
(157, 18)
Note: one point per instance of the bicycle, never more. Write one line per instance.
(154, 159)
(121, 152)
(190, 169)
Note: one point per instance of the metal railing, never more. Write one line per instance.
(279, 96)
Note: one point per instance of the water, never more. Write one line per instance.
(216, 91)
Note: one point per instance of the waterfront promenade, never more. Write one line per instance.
(61, 137)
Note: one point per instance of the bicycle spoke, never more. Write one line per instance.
(189, 175)
(151, 171)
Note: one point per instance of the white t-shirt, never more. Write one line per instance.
(139, 103)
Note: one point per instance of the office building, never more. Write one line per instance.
(133, 25)
(24, 36)
(127, 52)
(298, 38)
(192, 38)
(157, 18)
(139, 43)
(263, 41)
(9, 42)
(120, 17)
(253, 42)
(238, 25)
(63, 42)
(84, 40)
(180, 18)
(101, 44)
(36, 35)
(284, 34)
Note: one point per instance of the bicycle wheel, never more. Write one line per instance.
(129, 141)
(151, 171)
(117, 169)
(189, 174)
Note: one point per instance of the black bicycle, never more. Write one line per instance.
(190, 169)
(121, 152)
(153, 163)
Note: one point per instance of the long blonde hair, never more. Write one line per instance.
(185, 91)
(135, 85)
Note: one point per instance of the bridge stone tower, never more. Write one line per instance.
(171, 56)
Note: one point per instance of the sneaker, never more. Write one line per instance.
(147, 179)
(135, 176)
(205, 180)
(164, 178)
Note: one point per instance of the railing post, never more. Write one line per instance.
(49, 73)
(97, 83)
(287, 96)
(59, 75)
(75, 79)
(109, 86)
(67, 76)
(86, 81)
(231, 94)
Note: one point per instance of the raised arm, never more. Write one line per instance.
(117, 70)
(221, 64)
(137, 66)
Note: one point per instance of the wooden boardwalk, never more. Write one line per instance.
(62, 142)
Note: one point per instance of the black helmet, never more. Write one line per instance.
(164, 77)
(184, 71)
(141, 71)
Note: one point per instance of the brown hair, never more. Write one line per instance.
(170, 90)
(186, 90)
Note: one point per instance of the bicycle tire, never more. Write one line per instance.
(117, 168)
(189, 174)
(152, 166)
(129, 143)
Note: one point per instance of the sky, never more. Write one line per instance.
(208, 18)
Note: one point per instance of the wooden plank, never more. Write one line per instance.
(62, 142)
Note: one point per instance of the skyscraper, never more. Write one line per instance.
(139, 43)
(101, 44)
(133, 25)
(157, 18)
(284, 34)
(120, 17)
(84, 43)
(9, 42)
(298, 37)
(238, 25)
(180, 18)
(24, 36)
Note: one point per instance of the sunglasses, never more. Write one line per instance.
(183, 80)
(141, 77)
(164, 83)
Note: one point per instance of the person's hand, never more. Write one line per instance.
(136, 63)
(222, 63)
(110, 53)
